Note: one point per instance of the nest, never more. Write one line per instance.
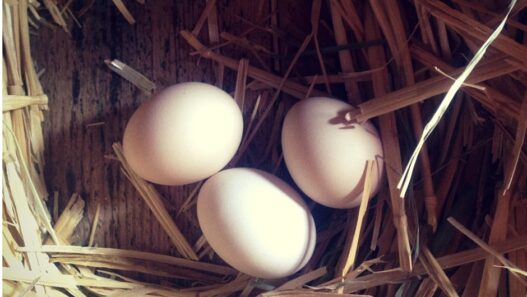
(460, 230)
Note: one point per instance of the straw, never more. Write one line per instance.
(486, 247)
(12, 102)
(289, 87)
(407, 174)
(396, 275)
(131, 75)
(211, 4)
(352, 90)
(391, 149)
(94, 225)
(124, 11)
(518, 144)
(349, 259)
(382, 56)
(155, 203)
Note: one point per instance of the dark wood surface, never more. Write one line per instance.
(82, 91)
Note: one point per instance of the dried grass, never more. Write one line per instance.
(155, 203)
(124, 11)
(383, 248)
(132, 75)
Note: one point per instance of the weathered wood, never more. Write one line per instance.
(83, 91)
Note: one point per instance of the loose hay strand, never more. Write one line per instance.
(110, 252)
(289, 87)
(428, 129)
(124, 11)
(301, 280)
(391, 148)
(518, 144)
(95, 223)
(241, 81)
(486, 247)
(436, 273)
(12, 102)
(131, 75)
(352, 253)
(155, 203)
(204, 16)
(346, 63)
(402, 57)
(457, 259)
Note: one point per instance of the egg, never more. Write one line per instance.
(326, 155)
(184, 134)
(256, 222)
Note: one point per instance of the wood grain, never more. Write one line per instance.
(83, 91)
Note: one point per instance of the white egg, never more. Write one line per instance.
(326, 155)
(256, 222)
(184, 134)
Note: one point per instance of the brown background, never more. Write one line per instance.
(83, 91)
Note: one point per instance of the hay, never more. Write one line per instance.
(131, 75)
(391, 67)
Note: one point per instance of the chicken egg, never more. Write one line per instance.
(184, 134)
(326, 155)
(256, 222)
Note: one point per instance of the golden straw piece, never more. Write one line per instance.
(397, 275)
(211, 4)
(469, 27)
(391, 147)
(124, 11)
(294, 89)
(403, 60)
(155, 203)
(94, 225)
(146, 256)
(241, 81)
(433, 122)
(436, 273)
(350, 256)
(488, 69)
(12, 102)
(485, 247)
(131, 75)
(346, 63)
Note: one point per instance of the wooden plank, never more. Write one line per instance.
(82, 91)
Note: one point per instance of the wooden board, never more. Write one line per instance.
(82, 91)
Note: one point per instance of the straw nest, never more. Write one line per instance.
(460, 230)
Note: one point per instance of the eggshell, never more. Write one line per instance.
(256, 222)
(184, 134)
(326, 155)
